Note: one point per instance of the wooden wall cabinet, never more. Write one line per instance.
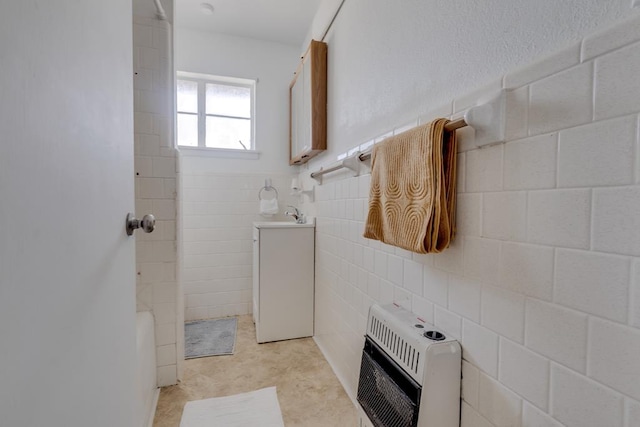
(308, 106)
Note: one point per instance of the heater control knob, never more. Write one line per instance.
(434, 335)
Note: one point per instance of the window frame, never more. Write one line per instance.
(202, 80)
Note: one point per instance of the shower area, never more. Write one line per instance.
(158, 296)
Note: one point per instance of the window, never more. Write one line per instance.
(215, 112)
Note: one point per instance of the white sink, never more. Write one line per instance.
(283, 224)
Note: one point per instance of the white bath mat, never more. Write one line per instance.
(258, 408)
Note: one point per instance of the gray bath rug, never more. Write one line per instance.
(210, 337)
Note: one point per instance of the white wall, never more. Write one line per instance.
(541, 284)
(390, 62)
(155, 180)
(272, 64)
(219, 196)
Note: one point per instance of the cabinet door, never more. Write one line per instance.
(256, 275)
(296, 101)
(286, 284)
(308, 105)
(305, 119)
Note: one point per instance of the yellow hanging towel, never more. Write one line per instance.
(412, 201)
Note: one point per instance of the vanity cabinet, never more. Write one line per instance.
(283, 280)
(308, 105)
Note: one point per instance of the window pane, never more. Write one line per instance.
(226, 100)
(228, 133)
(188, 130)
(187, 96)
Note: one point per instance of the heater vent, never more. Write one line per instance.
(395, 345)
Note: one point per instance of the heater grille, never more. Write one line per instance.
(395, 345)
(382, 399)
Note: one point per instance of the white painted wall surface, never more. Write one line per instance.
(541, 284)
(67, 288)
(389, 62)
(272, 64)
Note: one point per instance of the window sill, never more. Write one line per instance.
(222, 153)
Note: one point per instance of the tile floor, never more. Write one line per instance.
(309, 393)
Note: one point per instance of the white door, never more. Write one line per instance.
(67, 274)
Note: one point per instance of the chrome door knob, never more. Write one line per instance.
(147, 223)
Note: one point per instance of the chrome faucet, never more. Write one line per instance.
(296, 214)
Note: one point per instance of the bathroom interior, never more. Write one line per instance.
(540, 286)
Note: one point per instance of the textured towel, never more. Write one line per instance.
(412, 202)
(269, 206)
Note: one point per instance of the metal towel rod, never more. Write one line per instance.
(449, 127)
(351, 162)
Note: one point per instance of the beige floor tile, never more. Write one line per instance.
(309, 393)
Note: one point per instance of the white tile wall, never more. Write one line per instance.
(527, 269)
(531, 163)
(560, 218)
(533, 417)
(155, 168)
(504, 215)
(525, 372)
(471, 418)
(503, 312)
(480, 347)
(542, 283)
(632, 413)
(593, 283)
(464, 297)
(578, 401)
(634, 300)
(498, 404)
(598, 154)
(563, 100)
(619, 369)
(218, 214)
(617, 90)
(470, 383)
(616, 224)
(557, 333)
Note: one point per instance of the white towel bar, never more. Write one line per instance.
(487, 118)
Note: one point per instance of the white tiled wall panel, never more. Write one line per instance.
(594, 283)
(531, 163)
(557, 333)
(619, 369)
(525, 372)
(562, 100)
(218, 215)
(155, 168)
(578, 401)
(617, 88)
(542, 284)
(498, 404)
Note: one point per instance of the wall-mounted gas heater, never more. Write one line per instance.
(410, 372)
